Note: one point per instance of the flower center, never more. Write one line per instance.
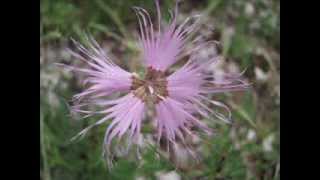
(153, 88)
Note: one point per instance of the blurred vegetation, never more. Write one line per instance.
(249, 32)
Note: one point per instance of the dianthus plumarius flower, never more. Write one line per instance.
(179, 100)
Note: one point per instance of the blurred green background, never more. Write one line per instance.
(249, 33)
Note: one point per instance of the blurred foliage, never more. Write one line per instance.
(249, 32)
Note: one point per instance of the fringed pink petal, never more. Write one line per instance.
(173, 120)
(191, 83)
(102, 76)
(161, 50)
(127, 116)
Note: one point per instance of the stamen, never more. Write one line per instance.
(153, 88)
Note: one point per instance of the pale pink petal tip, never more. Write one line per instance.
(161, 47)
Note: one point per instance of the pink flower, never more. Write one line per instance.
(179, 99)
